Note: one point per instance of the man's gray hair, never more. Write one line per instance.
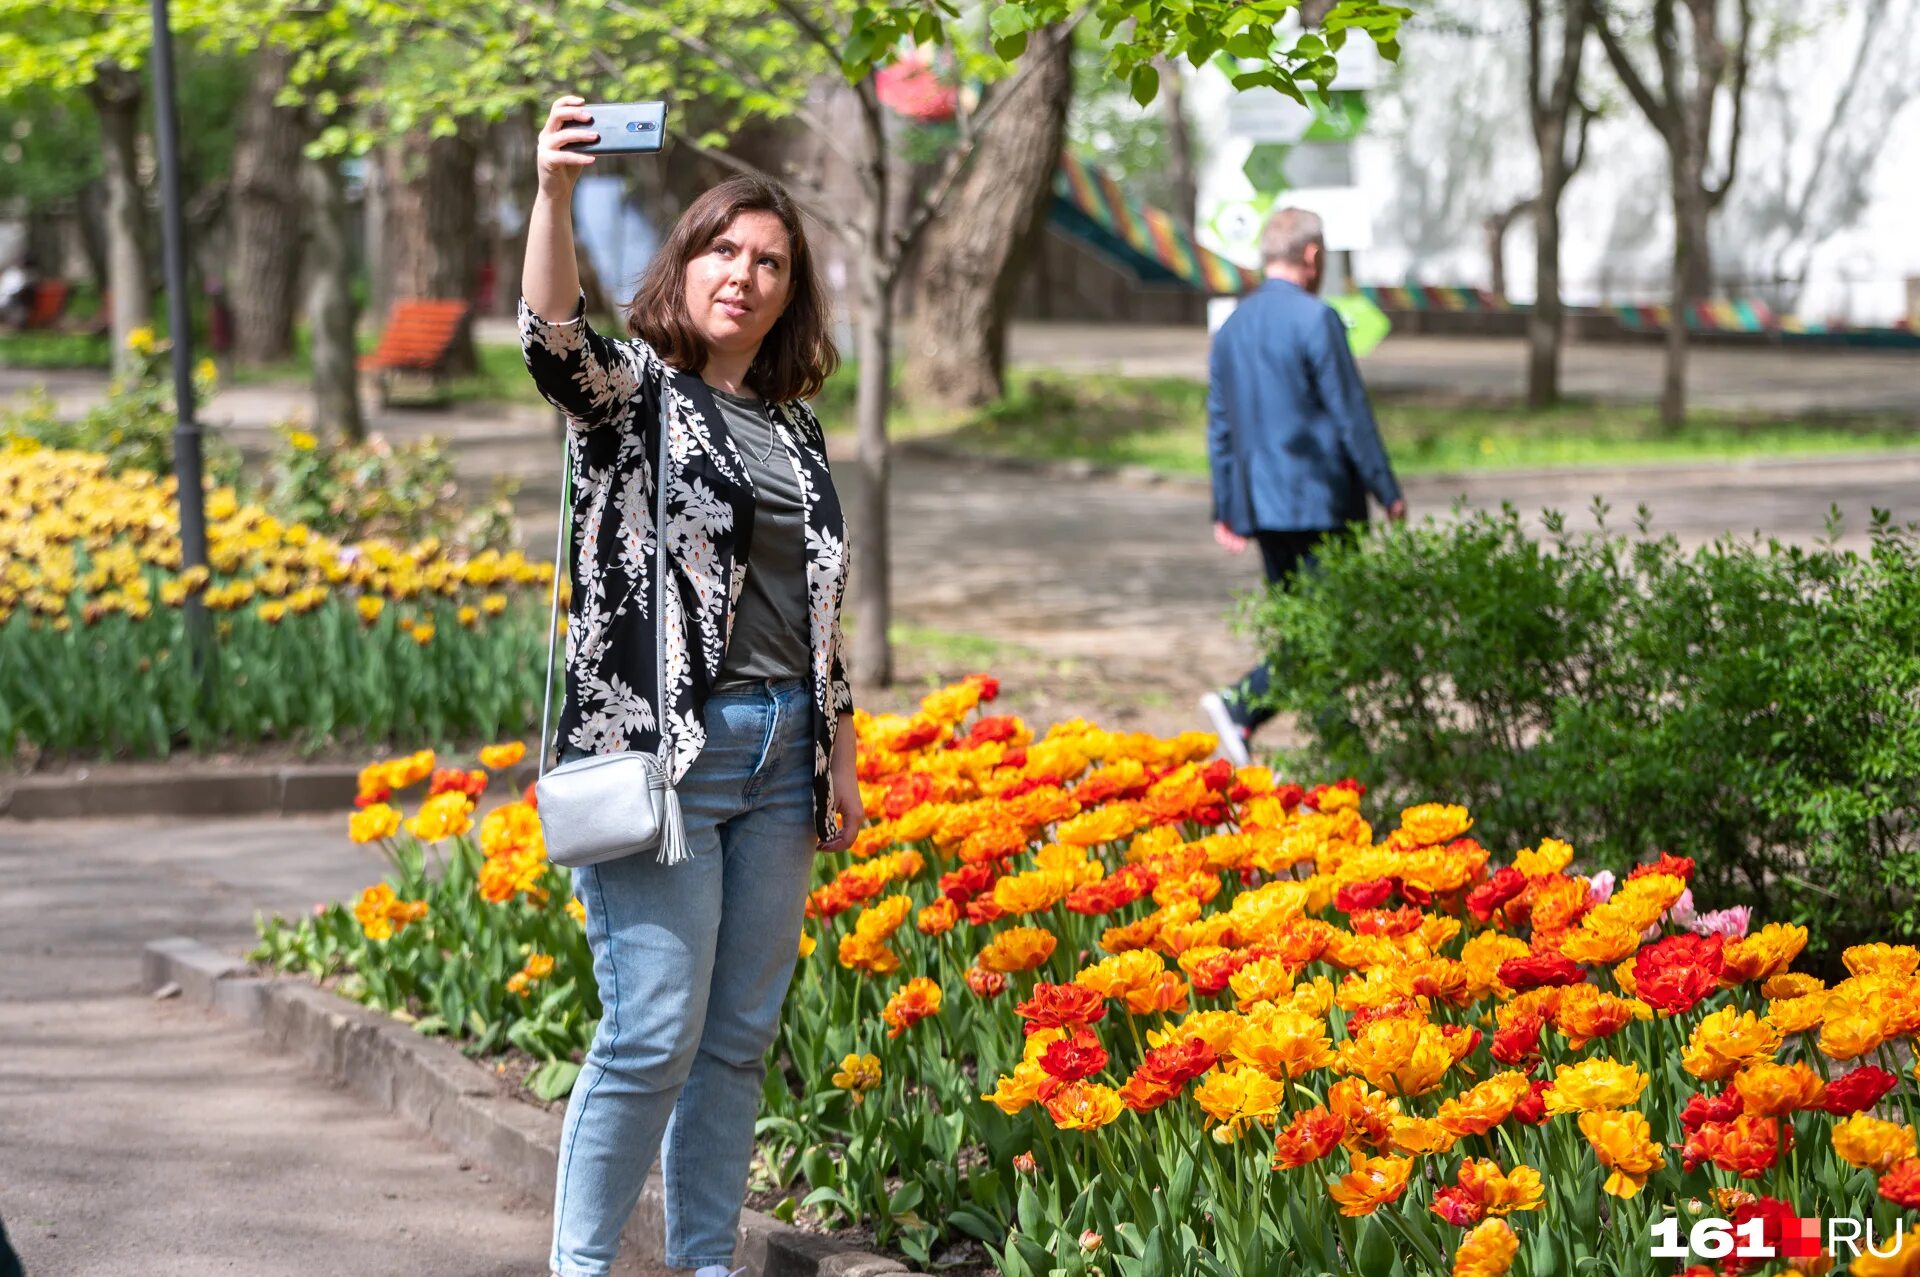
(1287, 234)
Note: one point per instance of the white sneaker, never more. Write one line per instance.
(717, 1270)
(1233, 737)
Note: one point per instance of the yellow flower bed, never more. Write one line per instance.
(314, 637)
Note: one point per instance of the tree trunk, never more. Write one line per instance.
(433, 227)
(1180, 167)
(1552, 99)
(91, 212)
(871, 585)
(116, 96)
(1682, 112)
(1495, 228)
(265, 261)
(1546, 321)
(1692, 275)
(336, 386)
(974, 251)
(514, 141)
(375, 217)
(1673, 385)
(46, 239)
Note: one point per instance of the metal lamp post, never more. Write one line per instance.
(186, 433)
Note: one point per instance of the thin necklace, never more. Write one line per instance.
(773, 433)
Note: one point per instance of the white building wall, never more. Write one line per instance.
(1448, 142)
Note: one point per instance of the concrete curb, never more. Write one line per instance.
(455, 1100)
(218, 790)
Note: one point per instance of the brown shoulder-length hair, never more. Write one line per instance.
(797, 355)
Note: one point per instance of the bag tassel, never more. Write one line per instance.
(673, 832)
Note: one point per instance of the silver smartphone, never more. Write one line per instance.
(624, 127)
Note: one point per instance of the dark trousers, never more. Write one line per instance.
(1283, 554)
(9, 1262)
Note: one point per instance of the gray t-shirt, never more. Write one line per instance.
(770, 637)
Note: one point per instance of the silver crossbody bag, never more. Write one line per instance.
(605, 806)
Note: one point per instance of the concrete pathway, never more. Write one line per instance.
(1777, 380)
(1123, 575)
(148, 1139)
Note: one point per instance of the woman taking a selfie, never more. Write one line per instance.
(728, 336)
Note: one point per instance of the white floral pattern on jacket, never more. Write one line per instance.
(610, 390)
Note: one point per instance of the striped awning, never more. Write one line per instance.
(1089, 205)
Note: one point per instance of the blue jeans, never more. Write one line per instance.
(693, 962)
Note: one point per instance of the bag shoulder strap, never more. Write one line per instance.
(550, 743)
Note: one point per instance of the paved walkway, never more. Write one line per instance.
(1776, 380)
(150, 1139)
(1124, 575)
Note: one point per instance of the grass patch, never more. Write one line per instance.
(47, 349)
(947, 647)
(1161, 422)
(937, 647)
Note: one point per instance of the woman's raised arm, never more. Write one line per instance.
(550, 277)
(577, 370)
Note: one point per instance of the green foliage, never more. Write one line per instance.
(1264, 48)
(317, 641)
(49, 145)
(392, 69)
(1756, 706)
(35, 348)
(119, 685)
(404, 492)
(1104, 120)
(133, 426)
(449, 972)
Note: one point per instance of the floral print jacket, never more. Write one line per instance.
(610, 391)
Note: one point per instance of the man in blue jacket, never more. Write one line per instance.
(1290, 436)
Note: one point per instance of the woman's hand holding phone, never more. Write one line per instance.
(558, 165)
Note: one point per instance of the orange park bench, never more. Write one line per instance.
(418, 337)
(49, 300)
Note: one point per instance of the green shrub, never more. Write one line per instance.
(38, 349)
(376, 489)
(133, 426)
(1753, 705)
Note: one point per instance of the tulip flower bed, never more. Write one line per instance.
(1112, 1008)
(317, 639)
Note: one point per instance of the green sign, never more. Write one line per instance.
(1266, 167)
(1367, 325)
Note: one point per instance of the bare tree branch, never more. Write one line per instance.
(1536, 22)
(811, 199)
(821, 32)
(1842, 110)
(1742, 64)
(1587, 117)
(1657, 112)
(1566, 81)
(1666, 49)
(831, 40)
